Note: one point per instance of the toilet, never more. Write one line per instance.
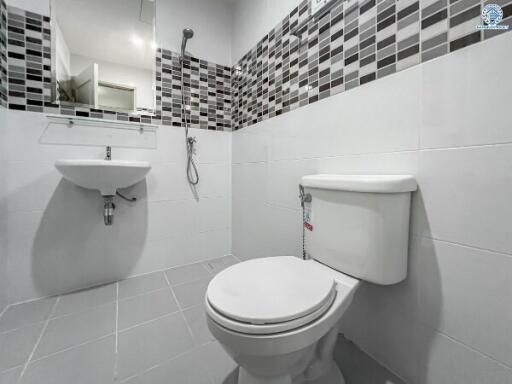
(278, 317)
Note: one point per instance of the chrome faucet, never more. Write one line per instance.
(108, 155)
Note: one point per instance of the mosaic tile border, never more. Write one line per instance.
(359, 41)
(27, 79)
(3, 53)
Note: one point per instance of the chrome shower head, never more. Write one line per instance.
(187, 34)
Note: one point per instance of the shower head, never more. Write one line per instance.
(187, 34)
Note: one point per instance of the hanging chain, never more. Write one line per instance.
(304, 198)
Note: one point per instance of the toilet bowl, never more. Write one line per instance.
(278, 317)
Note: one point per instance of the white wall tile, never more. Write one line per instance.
(464, 196)
(462, 94)
(446, 361)
(462, 290)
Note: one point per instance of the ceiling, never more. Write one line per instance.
(117, 31)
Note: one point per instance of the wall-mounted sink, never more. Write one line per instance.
(104, 175)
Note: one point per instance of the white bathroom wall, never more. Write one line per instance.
(57, 240)
(211, 21)
(447, 123)
(252, 19)
(3, 211)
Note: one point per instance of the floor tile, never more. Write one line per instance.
(187, 274)
(10, 376)
(92, 363)
(196, 319)
(78, 328)
(190, 294)
(16, 345)
(149, 344)
(221, 368)
(142, 308)
(85, 299)
(141, 284)
(359, 368)
(20, 315)
(183, 370)
(217, 265)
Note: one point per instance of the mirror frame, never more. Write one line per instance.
(53, 45)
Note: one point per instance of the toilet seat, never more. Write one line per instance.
(270, 295)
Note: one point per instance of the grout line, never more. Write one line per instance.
(117, 316)
(148, 321)
(462, 245)
(116, 357)
(466, 346)
(72, 347)
(47, 321)
(181, 310)
(4, 310)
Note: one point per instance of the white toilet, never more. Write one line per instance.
(278, 317)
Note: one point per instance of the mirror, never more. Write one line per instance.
(103, 54)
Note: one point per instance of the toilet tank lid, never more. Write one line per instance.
(362, 183)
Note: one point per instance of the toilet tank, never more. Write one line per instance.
(359, 225)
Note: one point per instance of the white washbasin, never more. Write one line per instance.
(104, 175)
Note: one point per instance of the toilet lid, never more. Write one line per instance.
(270, 290)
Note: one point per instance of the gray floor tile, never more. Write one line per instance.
(141, 284)
(16, 346)
(190, 294)
(196, 319)
(217, 265)
(359, 368)
(92, 363)
(187, 273)
(85, 299)
(140, 309)
(221, 368)
(183, 370)
(19, 315)
(152, 343)
(71, 330)
(11, 376)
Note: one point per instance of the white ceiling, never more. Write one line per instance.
(106, 29)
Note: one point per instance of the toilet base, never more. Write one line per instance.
(332, 376)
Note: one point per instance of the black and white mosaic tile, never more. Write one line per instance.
(207, 92)
(3, 53)
(26, 80)
(359, 41)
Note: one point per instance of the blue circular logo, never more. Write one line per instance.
(492, 14)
